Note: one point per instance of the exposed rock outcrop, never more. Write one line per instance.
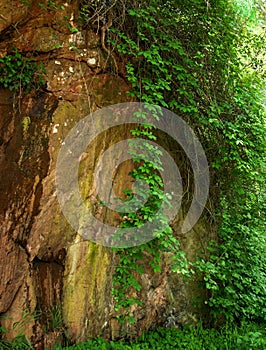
(54, 283)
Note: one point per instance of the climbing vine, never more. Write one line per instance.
(205, 62)
(132, 260)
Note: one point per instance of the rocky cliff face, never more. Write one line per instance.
(53, 282)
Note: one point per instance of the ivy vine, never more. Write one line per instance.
(205, 62)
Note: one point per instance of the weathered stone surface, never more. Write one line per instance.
(87, 287)
(12, 12)
(24, 163)
(44, 39)
(20, 316)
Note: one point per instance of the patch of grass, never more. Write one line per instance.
(20, 342)
(55, 317)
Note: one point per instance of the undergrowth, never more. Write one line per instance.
(248, 336)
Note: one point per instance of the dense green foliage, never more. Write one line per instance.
(20, 73)
(205, 62)
(238, 338)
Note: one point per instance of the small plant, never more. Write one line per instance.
(18, 72)
(55, 317)
(20, 342)
(25, 2)
(49, 5)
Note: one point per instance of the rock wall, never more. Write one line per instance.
(54, 284)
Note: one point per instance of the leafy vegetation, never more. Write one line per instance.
(132, 260)
(248, 336)
(18, 72)
(205, 62)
